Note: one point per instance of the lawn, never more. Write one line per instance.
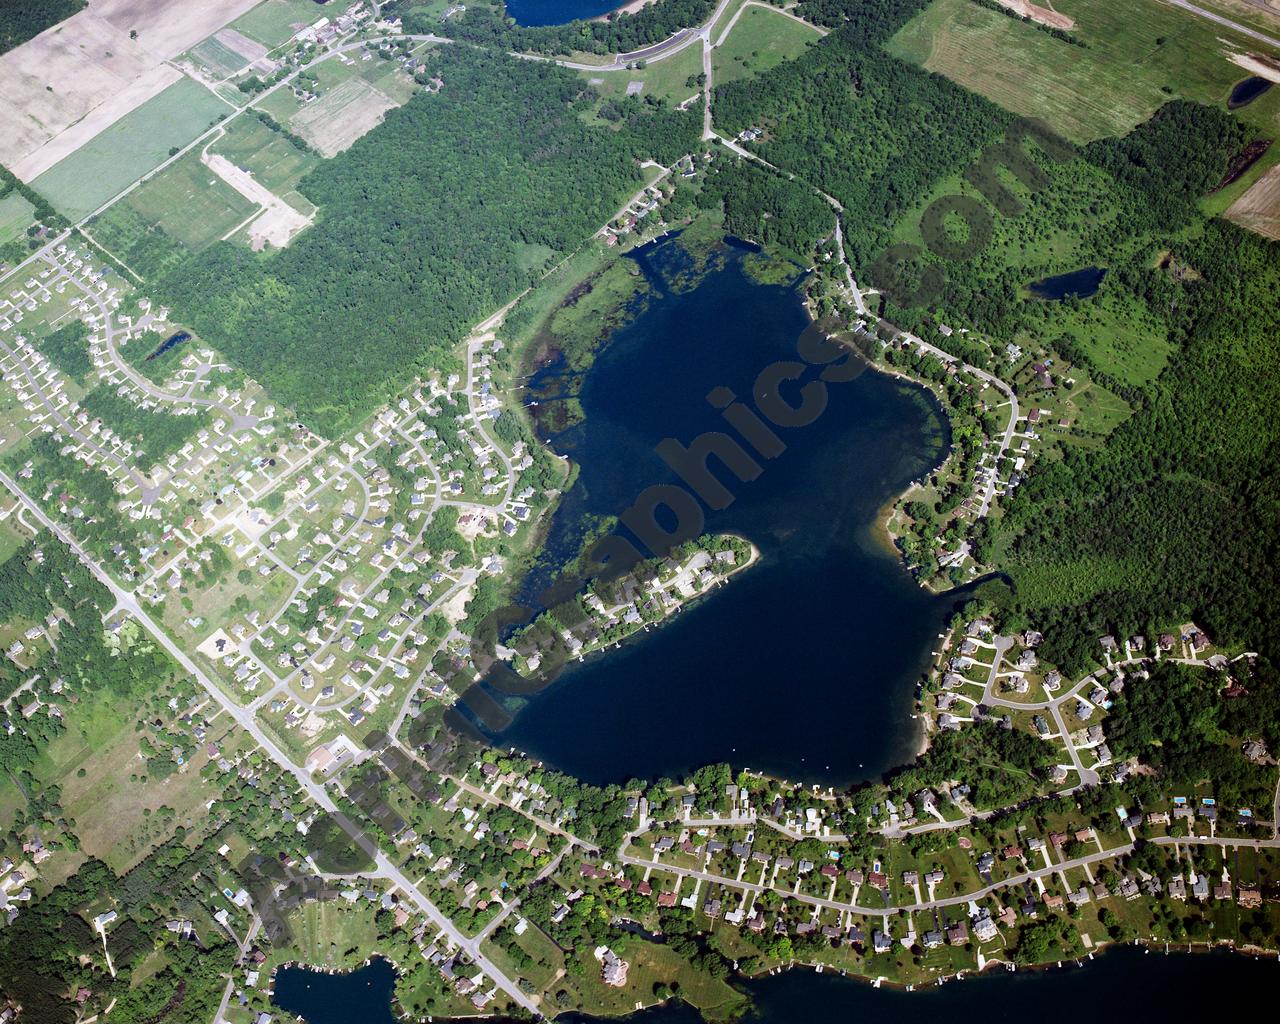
(668, 79)
(112, 160)
(761, 38)
(1138, 56)
(15, 215)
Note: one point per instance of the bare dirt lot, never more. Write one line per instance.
(333, 122)
(1259, 208)
(1044, 15)
(84, 74)
(278, 222)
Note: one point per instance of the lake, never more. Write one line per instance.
(558, 12)
(1120, 987)
(1081, 283)
(355, 997)
(803, 665)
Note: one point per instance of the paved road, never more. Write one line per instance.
(988, 492)
(937, 904)
(246, 720)
(1235, 26)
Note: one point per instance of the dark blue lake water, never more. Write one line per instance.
(1246, 91)
(1081, 283)
(803, 665)
(1120, 987)
(558, 12)
(357, 997)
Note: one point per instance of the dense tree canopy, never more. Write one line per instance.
(21, 20)
(440, 216)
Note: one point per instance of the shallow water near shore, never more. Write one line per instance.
(1119, 986)
(803, 665)
(558, 12)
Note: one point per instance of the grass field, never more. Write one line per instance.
(15, 216)
(275, 21)
(112, 160)
(1138, 56)
(666, 79)
(189, 202)
(113, 811)
(761, 38)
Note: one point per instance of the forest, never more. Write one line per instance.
(20, 21)
(445, 213)
(870, 130)
(1181, 724)
(1176, 518)
(68, 349)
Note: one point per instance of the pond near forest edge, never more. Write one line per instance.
(558, 12)
(1080, 283)
(1119, 987)
(1246, 91)
(803, 665)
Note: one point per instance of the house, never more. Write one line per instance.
(984, 928)
(958, 934)
(613, 969)
(880, 942)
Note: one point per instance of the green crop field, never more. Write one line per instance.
(761, 38)
(15, 215)
(275, 21)
(1137, 57)
(219, 58)
(136, 144)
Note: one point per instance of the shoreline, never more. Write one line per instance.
(627, 8)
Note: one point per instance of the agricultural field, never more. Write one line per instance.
(225, 54)
(1137, 57)
(1259, 208)
(130, 148)
(343, 114)
(759, 39)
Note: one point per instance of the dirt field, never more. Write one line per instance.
(72, 81)
(1259, 208)
(339, 117)
(1045, 16)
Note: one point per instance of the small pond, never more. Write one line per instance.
(1246, 91)
(1081, 283)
